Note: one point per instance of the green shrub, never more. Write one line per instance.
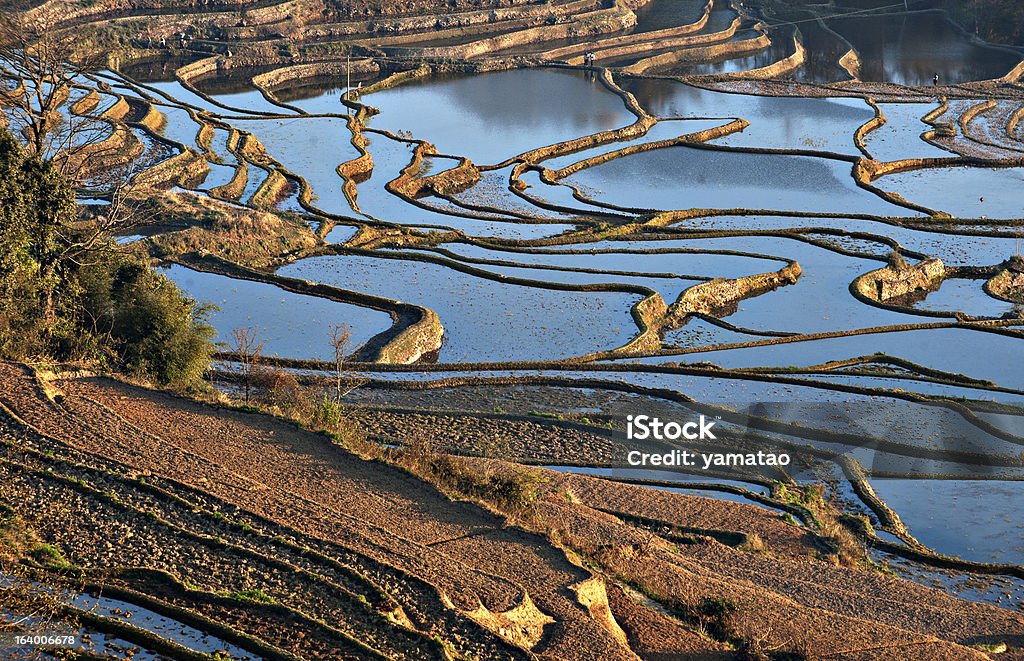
(327, 414)
(252, 596)
(66, 292)
(146, 323)
(49, 556)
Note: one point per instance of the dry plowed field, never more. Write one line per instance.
(188, 508)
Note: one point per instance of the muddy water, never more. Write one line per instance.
(910, 49)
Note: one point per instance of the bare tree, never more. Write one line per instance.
(42, 65)
(345, 380)
(248, 351)
(52, 104)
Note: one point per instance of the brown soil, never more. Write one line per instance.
(349, 527)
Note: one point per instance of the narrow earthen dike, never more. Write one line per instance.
(722, 295)
(1008, 284)
(900, 279)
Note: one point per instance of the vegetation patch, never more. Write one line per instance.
(244, 236)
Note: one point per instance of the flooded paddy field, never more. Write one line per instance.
(825, 262)
(965, 192)
(910, 49)
(530, 321)
(288, 324)
(705, 179)
(492, 117)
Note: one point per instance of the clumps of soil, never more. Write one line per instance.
(498, 437)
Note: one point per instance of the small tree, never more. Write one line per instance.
(248, 351)
(328, 413)
(345, 379)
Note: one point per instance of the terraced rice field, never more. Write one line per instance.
(720, 218)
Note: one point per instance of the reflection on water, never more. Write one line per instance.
(154, 71)
(910, 49)
(824, 49)
(662, 14)
(780, 48)
(688, 178)
(234, 80)
(288, 324)
(720, 18)
(976, 520)
(494, 116)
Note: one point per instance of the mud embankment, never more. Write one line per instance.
(721, 296)
(1008, 284)
(232, 191)
(640, 41)
(447, 182)
(602, 21)
(296, 74)
(699, 54)
(778, 69)
(900, 280)
(735, 126)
